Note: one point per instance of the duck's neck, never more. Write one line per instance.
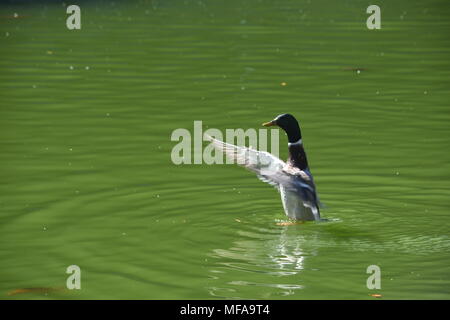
(297, 155)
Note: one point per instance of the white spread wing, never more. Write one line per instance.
(272, 170)
(267, 167)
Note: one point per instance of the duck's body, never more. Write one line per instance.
(299, 203)
(292, 178)
(295, 208)
(294, 203)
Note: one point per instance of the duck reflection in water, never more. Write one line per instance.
(273, 257)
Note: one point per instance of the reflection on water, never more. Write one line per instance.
(277, 253)
(285, 258)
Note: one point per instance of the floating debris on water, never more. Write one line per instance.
(357, 69)
(15, 15)
(36, 290)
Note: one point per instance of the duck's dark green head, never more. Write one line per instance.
(289, 124)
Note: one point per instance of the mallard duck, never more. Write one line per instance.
(292, 178)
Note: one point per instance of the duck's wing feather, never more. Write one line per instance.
(267, 167)
(271, 170)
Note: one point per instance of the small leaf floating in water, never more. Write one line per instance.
(36, 290)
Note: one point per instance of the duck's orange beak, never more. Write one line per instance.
(269, 124)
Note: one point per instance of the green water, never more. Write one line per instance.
(86, 176)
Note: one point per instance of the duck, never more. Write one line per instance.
(292, 178)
